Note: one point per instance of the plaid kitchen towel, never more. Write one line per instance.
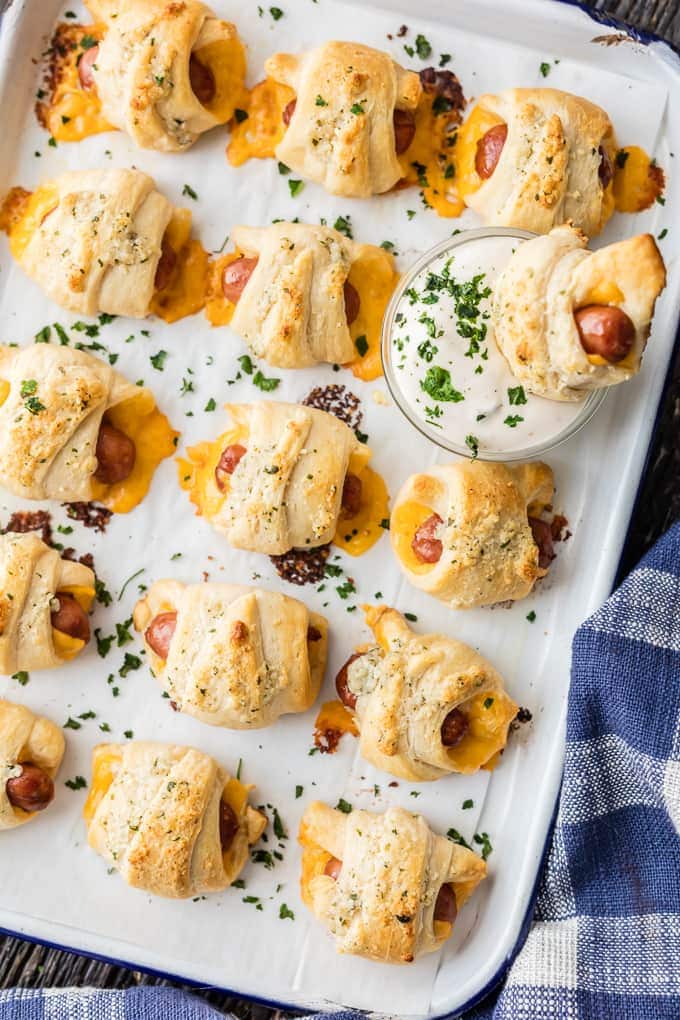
(605, 942)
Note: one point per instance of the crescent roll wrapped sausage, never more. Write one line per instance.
(386, 886)
(44, 602)
(97, 240)
(341, 128)
(164, 72)
(569, 320)
(72, 428)
(294, 301)
(280, 479)
(31, 750)
(231, 655)
(471, 533)
(425, 705)
(534, 158)
(169, 819)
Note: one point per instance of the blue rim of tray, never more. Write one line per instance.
(645, 38)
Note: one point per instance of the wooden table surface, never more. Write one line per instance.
(32, 966)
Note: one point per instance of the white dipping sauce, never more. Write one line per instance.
(447, 365)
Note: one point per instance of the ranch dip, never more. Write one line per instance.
(445, 369)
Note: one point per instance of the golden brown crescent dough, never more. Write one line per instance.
(154, 813)
(292, 309)
(475, 515)
(25, 739)
(92, 240)
(31, 575)
(407, 685)
(341, 134)
(382, 904)
(549, 167)
(286, 490)
(238, 657)
(142, 70)
(550, 278)
(55, 400)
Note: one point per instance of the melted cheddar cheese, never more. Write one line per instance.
(313, 863)
(406, 520)
(333, 715)
(357, 534)
(488, 716)
(196, 472)
(638, 182)
(154, 439)
(428, 161)
(257, 135)
(374, 277)
(22, 213)
(71, 112)
(105, 764)
(218, 309)
(475, 127)
(226, 59)
(4, 391)
(185, 291)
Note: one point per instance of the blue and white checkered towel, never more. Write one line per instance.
(605, 944)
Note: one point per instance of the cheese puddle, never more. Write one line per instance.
(446, 366)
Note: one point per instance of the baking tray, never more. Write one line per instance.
(52, 887)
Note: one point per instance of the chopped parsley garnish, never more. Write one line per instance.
(283, 169)
(87, 42)
(488, 702)
(285, 912)
(77, 783)
(299, 790)
(411, 617)
(472, 443)
(437, 384)
(531, 616)
(320, 101)
(279, 827)
(276, 13)
(240, 115)
(21, 677)
(361, 344)
(621, 158)
(343, 806)
(357, 108)
(516, 395)
(423, 48)
(455, 837)
(72, 724)
(427, 350)
(211, 405)
(189, 192)
(130, 662)
(104, 642)
(513, 420)
(467, 804)
(158, 360)
(246, 364)
(344, 226)
(264, 384)
(482, 839)
(545, 69)
(295, 187)
(346, 589)
(444, 59)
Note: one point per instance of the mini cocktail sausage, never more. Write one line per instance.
(70, 618)
(404, 130)
(202, 80)
(228, 463)
(605, 170)
(425, 545)
(605, 330)
(352, 302)
(288, 111)
(347, 697)
(116, 455)
(489, 149)
(236, 276)
(351, 495)
(228, 825)
(446, 908)
(159, 633)
(85, 64)
(165, 267)
(31, 791)
(454, 728)
(333, 868)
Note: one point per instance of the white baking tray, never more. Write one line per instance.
(52, 887)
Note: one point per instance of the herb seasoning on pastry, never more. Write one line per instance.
(535, 158)
(107, 241)
(425, 705)
(163, 72)
(569, 320)
(230, 655)
(31, 750)
(286, 477)
(71, 428)
(169, 819)
(473, 533)
(44, 605)
(300, 295)
(385, 885)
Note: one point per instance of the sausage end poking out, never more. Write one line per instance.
(605, 170)
(158, 635)
(489, 149)
(404, 130)
(543, 537)
(351, 495)
(236, 276)
(352, 302)
(70, 618)
(227, 464)
(333, 868)
(347, 697)
(425, 545)
(288, 111)
(228, 825)
(85, 67)
(446, 908)
(116, 455)
(165, 267)
(454, 728)
(31, 791)
(202, 80)
(605, 330)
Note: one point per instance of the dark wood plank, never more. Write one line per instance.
(26, 965)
